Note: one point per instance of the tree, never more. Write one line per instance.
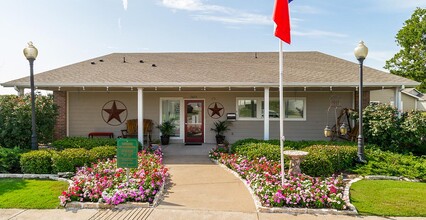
(15, 120)
(410, 61)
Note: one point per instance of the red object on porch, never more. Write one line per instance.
(101, 134)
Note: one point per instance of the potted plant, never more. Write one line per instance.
(220, 127)
(166, 129)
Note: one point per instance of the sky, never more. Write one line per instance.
(66, 32)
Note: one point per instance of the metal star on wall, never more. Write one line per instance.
(114, 112)
(216, 110)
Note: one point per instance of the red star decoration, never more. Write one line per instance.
(215, 110)
(114, 113)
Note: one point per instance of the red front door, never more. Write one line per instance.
(194, 121)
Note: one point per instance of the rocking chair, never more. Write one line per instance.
(132, 129)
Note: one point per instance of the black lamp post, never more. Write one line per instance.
(31, 53)
(360, 53)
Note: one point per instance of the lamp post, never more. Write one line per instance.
(31, 53)
(360, 53)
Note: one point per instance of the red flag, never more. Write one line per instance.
(282, 20)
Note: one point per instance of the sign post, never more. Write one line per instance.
(127, 154)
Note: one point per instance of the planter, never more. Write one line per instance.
(165, 140)
(220, 139)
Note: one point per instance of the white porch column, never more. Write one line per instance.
(140, 115)
(266, 115)
(398, 101)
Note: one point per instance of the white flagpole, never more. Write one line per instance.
(281, 61)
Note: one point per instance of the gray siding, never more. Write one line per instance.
(85, 113)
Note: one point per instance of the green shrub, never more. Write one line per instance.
(294, 145)
(326, 160)
(68, 159)
(392, 164)
(414, 137)
(383, 127)
(15, 118)
(38, 161)
(257, 150)
(83, 142)
(102, 153)
(9, 160)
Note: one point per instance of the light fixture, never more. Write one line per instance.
(31, 53)
(327, 131)
(360, 52)
(343, 129)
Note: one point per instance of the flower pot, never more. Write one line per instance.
(220, 139)
(165, 140)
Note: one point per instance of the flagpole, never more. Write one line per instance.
(281, 61)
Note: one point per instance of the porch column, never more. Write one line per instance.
(140, 115)
(398, 102)
(266, 115)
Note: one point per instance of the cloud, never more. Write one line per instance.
(125, 3)
(193, 5)
(305, 9)
(210, 12)
(119, 24)
(398, 5)
(318, 33)
(240, 19)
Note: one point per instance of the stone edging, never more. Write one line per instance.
(32, 176)
(127, 205)
(260, 208)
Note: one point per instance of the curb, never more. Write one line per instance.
(33, 176)
(352, 210)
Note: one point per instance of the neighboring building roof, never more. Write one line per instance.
(414, 93)
(211, 69)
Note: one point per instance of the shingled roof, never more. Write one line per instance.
(239, 69)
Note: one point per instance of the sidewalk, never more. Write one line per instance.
(175, 214)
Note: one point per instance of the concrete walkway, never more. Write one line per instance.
(198, 184)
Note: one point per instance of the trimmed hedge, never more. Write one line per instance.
(324, 158)
(102, 153)
(68, 159)
(9, 160)
(50, 161)
(83, 142)
(293, 145)
(37, 161)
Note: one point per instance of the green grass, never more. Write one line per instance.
(30, 194)
(389, 198)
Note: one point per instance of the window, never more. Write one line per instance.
(170, 109)
(294, 108)
(247, 108)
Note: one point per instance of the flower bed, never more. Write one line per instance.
(105, 183)
(300, 191)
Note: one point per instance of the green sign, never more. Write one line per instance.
(127, 153)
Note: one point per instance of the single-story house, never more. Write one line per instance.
(197, 89)
(411, 98)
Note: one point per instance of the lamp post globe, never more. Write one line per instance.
(360, 52)
(31, 53)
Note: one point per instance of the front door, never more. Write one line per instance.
(194, 121)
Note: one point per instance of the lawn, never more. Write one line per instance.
(389, 198)
(30, 194)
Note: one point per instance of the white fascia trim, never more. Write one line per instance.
(207, 84)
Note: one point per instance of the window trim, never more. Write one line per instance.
(181, 114)
(260, 100)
